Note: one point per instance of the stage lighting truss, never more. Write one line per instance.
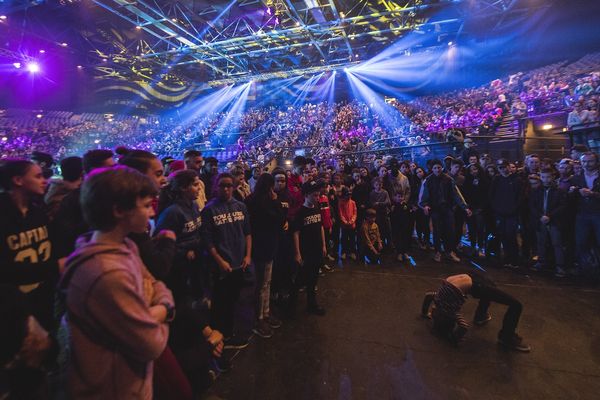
(287, 36)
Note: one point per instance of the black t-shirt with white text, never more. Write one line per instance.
(308, 223)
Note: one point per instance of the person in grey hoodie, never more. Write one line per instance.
(117, 312)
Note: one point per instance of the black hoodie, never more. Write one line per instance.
(27, 259)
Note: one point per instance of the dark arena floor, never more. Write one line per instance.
(372, 344)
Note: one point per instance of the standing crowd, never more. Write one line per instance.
(121, 278)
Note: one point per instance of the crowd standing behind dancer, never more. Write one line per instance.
(510, 214)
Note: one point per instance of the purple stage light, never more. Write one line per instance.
(17, 65)
(33, 67)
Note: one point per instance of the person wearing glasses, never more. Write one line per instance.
(505, 198)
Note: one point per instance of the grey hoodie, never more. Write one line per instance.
(113, 337)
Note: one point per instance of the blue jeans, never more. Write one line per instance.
(506, 230)
(586, 226)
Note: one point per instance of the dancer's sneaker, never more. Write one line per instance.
(437, 257)
(330, 257)
(327, 268)
(515, 342)
(483, 321)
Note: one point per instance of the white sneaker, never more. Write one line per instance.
(453, 257)
(330, 257)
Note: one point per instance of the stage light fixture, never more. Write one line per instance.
(33, 67)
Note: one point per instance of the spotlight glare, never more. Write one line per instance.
(17, 65)
(450, 43)
(4, 138)
(138, 27)
(79, 67)
(33, 67)
(547, 127)
(39, 116)
(3, 17)
(42, 51)
(64, 44)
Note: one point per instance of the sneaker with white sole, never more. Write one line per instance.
(452, 255)
(236, 342)
(263, 329)
(330, 257)
(515, 342)
(481, 322)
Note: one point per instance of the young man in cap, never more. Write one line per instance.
(309, 246)
(439, 195)
(505, 199)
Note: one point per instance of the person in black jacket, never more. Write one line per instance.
(68, 223)
(476, 190)
(438, 197)
(586, 191)
(547, 206)
(505, 200)
(267, 221)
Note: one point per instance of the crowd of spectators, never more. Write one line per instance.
(127, 263)
(263, 133)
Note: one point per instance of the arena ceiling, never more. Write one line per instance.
(222, 41)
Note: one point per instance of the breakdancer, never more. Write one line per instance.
(452, 294)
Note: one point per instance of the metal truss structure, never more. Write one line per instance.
(225, 41)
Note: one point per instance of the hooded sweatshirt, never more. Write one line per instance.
(113, 337)
(57, 190)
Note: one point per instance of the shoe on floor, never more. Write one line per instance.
(321, 272)
(343, 256)
(560, 273)
(437, 257)
(452, 255)
(330, 257)
(263, 329)
(273, 321)
(327, 268)
(353, 256)
(236, 342)
(481, 322)
(400, 258)
(315, 309)
(515, 342)
(222, 364)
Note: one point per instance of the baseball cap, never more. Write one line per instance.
(311, 187)
(502, 162)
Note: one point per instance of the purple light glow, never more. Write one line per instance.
(17, 65)
(33, 67)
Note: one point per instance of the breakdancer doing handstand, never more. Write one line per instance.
(452, 294)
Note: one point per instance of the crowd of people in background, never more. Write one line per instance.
(262, 133)
(121, 275)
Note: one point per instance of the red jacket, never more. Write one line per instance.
(297, 198)
(325, 211)
(347, 209)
